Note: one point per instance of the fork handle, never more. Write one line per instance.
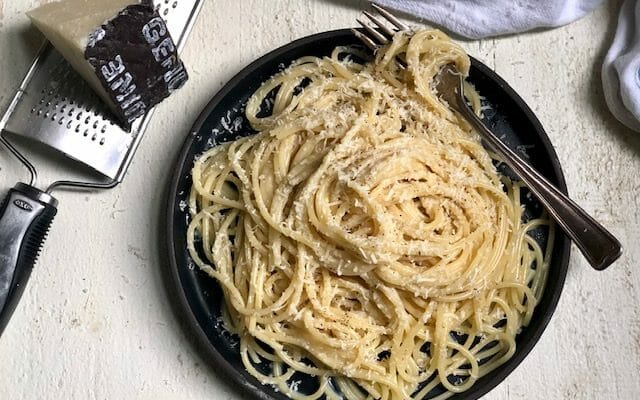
(598, 245)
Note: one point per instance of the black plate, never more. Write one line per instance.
(198, 298)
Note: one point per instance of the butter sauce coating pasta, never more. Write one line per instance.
(364, 237)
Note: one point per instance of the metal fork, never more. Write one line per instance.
(598, 245)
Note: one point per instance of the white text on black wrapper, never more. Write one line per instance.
(164, 52)
(121, 83)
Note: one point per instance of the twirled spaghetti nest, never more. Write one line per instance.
(364, 234)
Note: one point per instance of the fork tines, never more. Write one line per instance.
(380, 33)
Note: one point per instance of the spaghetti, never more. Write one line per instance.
(364, 237)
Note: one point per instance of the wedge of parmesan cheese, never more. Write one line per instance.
(122, 48)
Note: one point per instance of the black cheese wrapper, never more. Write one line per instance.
(136, 61)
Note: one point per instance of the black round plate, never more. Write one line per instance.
(198, 298)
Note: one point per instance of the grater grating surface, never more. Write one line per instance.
(56, 107)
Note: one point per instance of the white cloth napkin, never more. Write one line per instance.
(477, 19)
(621, 68)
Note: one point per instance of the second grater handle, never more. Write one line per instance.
(25, 217)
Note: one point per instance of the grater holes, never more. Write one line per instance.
(102, 141)
(51, 105)
(164, 7)
(85, 133)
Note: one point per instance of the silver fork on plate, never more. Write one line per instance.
(598, 245)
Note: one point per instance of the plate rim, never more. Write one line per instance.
(182, 309)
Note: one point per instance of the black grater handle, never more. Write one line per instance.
(25, 217)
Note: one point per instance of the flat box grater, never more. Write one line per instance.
(54, 106)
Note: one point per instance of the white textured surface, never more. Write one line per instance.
(95, 321)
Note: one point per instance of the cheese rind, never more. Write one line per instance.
(122, 48)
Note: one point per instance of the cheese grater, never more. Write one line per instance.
(54, 106)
